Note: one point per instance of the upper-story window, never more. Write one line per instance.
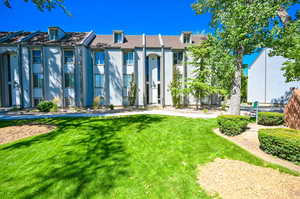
(118, 37)
(99, 58)
(68, 56)
(53, 34)
(128, 58)
(178, 58)
(186, 38)
(36, 57)
(127, 80)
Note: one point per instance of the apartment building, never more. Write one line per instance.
(76, 67)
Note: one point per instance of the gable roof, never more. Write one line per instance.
(41, 38)
(136, 41)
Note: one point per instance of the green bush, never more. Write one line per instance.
(281, 142)
(45, 106)
(232, 124)
(270, 118)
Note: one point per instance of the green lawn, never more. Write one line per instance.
(126, 157)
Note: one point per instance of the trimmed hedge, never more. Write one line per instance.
(270, 118)
(232, 124)
(45, 106)
(281, 142)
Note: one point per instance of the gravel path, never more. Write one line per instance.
(155, 112)
(249, 141)
(12, 133)
(232, 179)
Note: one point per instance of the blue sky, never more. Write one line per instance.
(133, 16)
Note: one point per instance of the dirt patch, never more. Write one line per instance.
(12, 133)
(234, 179)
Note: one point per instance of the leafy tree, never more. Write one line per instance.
(205, 81)
(176, 88)
(287, 44)
(244, 88)
(242, 26)
(132, 92)
(43, 5)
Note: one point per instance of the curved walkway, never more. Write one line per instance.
(249, 141)
(150, 112)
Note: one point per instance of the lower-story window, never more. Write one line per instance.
(37, 80)
(69, 80)
(36, 101)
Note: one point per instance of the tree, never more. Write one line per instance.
(176, 88)
(132, 91)
(43, 5)
(287, 44)
(205, 81)
(241, 26)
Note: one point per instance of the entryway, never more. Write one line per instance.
(153, 79)
(6, 81)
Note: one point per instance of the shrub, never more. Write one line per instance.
(45, 106)
(96, 102)
(281, 142)
(270, 118)
(232, 124)
(111, 107)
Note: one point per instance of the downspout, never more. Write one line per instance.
(162, 72)
(143, 70)
(265, 75)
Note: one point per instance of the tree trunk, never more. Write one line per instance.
(283, 15)
(235, 98)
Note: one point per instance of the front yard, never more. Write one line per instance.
(142, 156)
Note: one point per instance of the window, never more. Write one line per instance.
(99, 81)
(178, 58)
(186, 38)
(69, 80)
(118, 37)
(53, 35)
(37, 80)
(68, 56)
(36, 101)
(36, 56)
(99, 58)
(127, 80)
(128, 58)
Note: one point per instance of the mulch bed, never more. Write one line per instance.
(234, 179)
(13, 133)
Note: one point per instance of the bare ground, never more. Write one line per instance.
(232, 179)
(13, 133)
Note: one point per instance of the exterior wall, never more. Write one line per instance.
(26, 77)
(140, 71)
(292, 111)
(53, 66)
(115, 76)
(87, 69)
(168, 76)
(266, 83)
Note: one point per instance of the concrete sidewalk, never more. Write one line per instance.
(150, 112)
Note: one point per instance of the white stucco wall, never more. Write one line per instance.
(140, 76)
(54, 73)
(26, 77)
(115, 76)
(168, 76)
(266, 82)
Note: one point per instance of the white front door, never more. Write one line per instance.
(153, 79)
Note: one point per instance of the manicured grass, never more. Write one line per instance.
(127, 157)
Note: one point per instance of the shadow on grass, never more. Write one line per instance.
(90, 161)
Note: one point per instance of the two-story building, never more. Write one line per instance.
(76, 67)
